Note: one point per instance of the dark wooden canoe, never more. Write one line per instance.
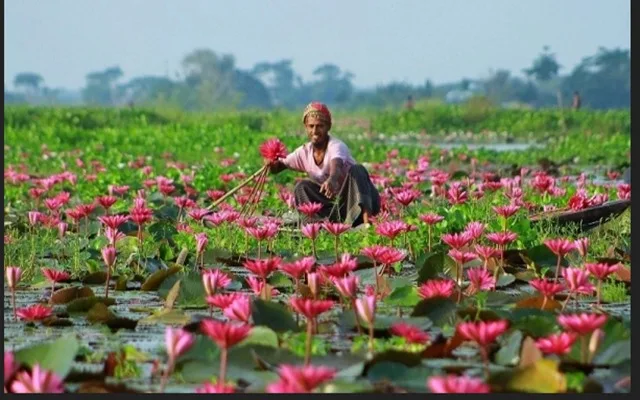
(587, 218)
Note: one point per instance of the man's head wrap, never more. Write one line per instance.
(317, 110)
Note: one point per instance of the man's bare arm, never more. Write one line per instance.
(335, 171)
(331, 186)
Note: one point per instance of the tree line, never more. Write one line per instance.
(209, 81)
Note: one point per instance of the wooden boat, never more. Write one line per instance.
(587, 218)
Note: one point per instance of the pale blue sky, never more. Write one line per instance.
(378, 40)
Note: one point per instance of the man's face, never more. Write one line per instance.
(317, 130)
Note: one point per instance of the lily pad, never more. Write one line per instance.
(154, 281)
(400, 375)
(86, 303)
(382, 323)
(509, 354)
(163, 230)
(56, 356)
(540, 377)
(166, 317)
(96, 278)
(439, 310)
(403, 296)
(273, 315)
(261, 335)
(505, 280)
(66, 295)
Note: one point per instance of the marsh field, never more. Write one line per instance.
(500, 261)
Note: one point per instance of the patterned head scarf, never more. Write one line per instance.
(317, 110)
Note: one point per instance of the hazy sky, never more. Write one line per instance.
(377, 40)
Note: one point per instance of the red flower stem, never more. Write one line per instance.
(307, 347)
(224, 352)
(336, 245)
(566, 302)
(106, 285)
(53, 286)
(557, 269)
(485, 361)
(13, 303)
(375, 273)
(429, 228)
(598, 291)
(355, 312)
(544, 302)
(313, 247)
(371, 336)
(165, 376)
(584, 348)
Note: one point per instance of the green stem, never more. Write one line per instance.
(307, 347)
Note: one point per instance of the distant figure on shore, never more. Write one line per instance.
(409, 104)
(577, 102)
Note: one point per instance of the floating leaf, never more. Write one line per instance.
(403, 296)
(86, 303)
(163, 230)
(540, 377)
(280, 280)
(192, 293)
(100, 313)
(509, 353)
(54, 321)
(261, 335)
(439, 310)
(166, 317)
(543, 257)
(505, 280)
(537, 302)
(154, 281)
(399, 375)
(382, 323)
(614, 354)
(273, 315)
(430, 265)
(66, 295)
(96, 278)
(56, 356)
(172, 296)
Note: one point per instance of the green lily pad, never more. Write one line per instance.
(261, 335)
(439, 310)
(403, 296)
(163, 230)
(273, 315)
(56, 356)
(509, 354)
(154, 281)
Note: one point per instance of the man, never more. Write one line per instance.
(333, 173)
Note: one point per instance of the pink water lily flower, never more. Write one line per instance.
(38, 381)
(456, 384)
(300, 379)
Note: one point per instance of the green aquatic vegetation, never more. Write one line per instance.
(614, 291)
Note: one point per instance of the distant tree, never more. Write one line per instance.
(544, 68)
(102, 88)
(28, 81)
(332, 86)
(603, 80)
(209, 79)
(286, 89)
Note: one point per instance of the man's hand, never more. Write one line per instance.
(329, 188)
(275, 166)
